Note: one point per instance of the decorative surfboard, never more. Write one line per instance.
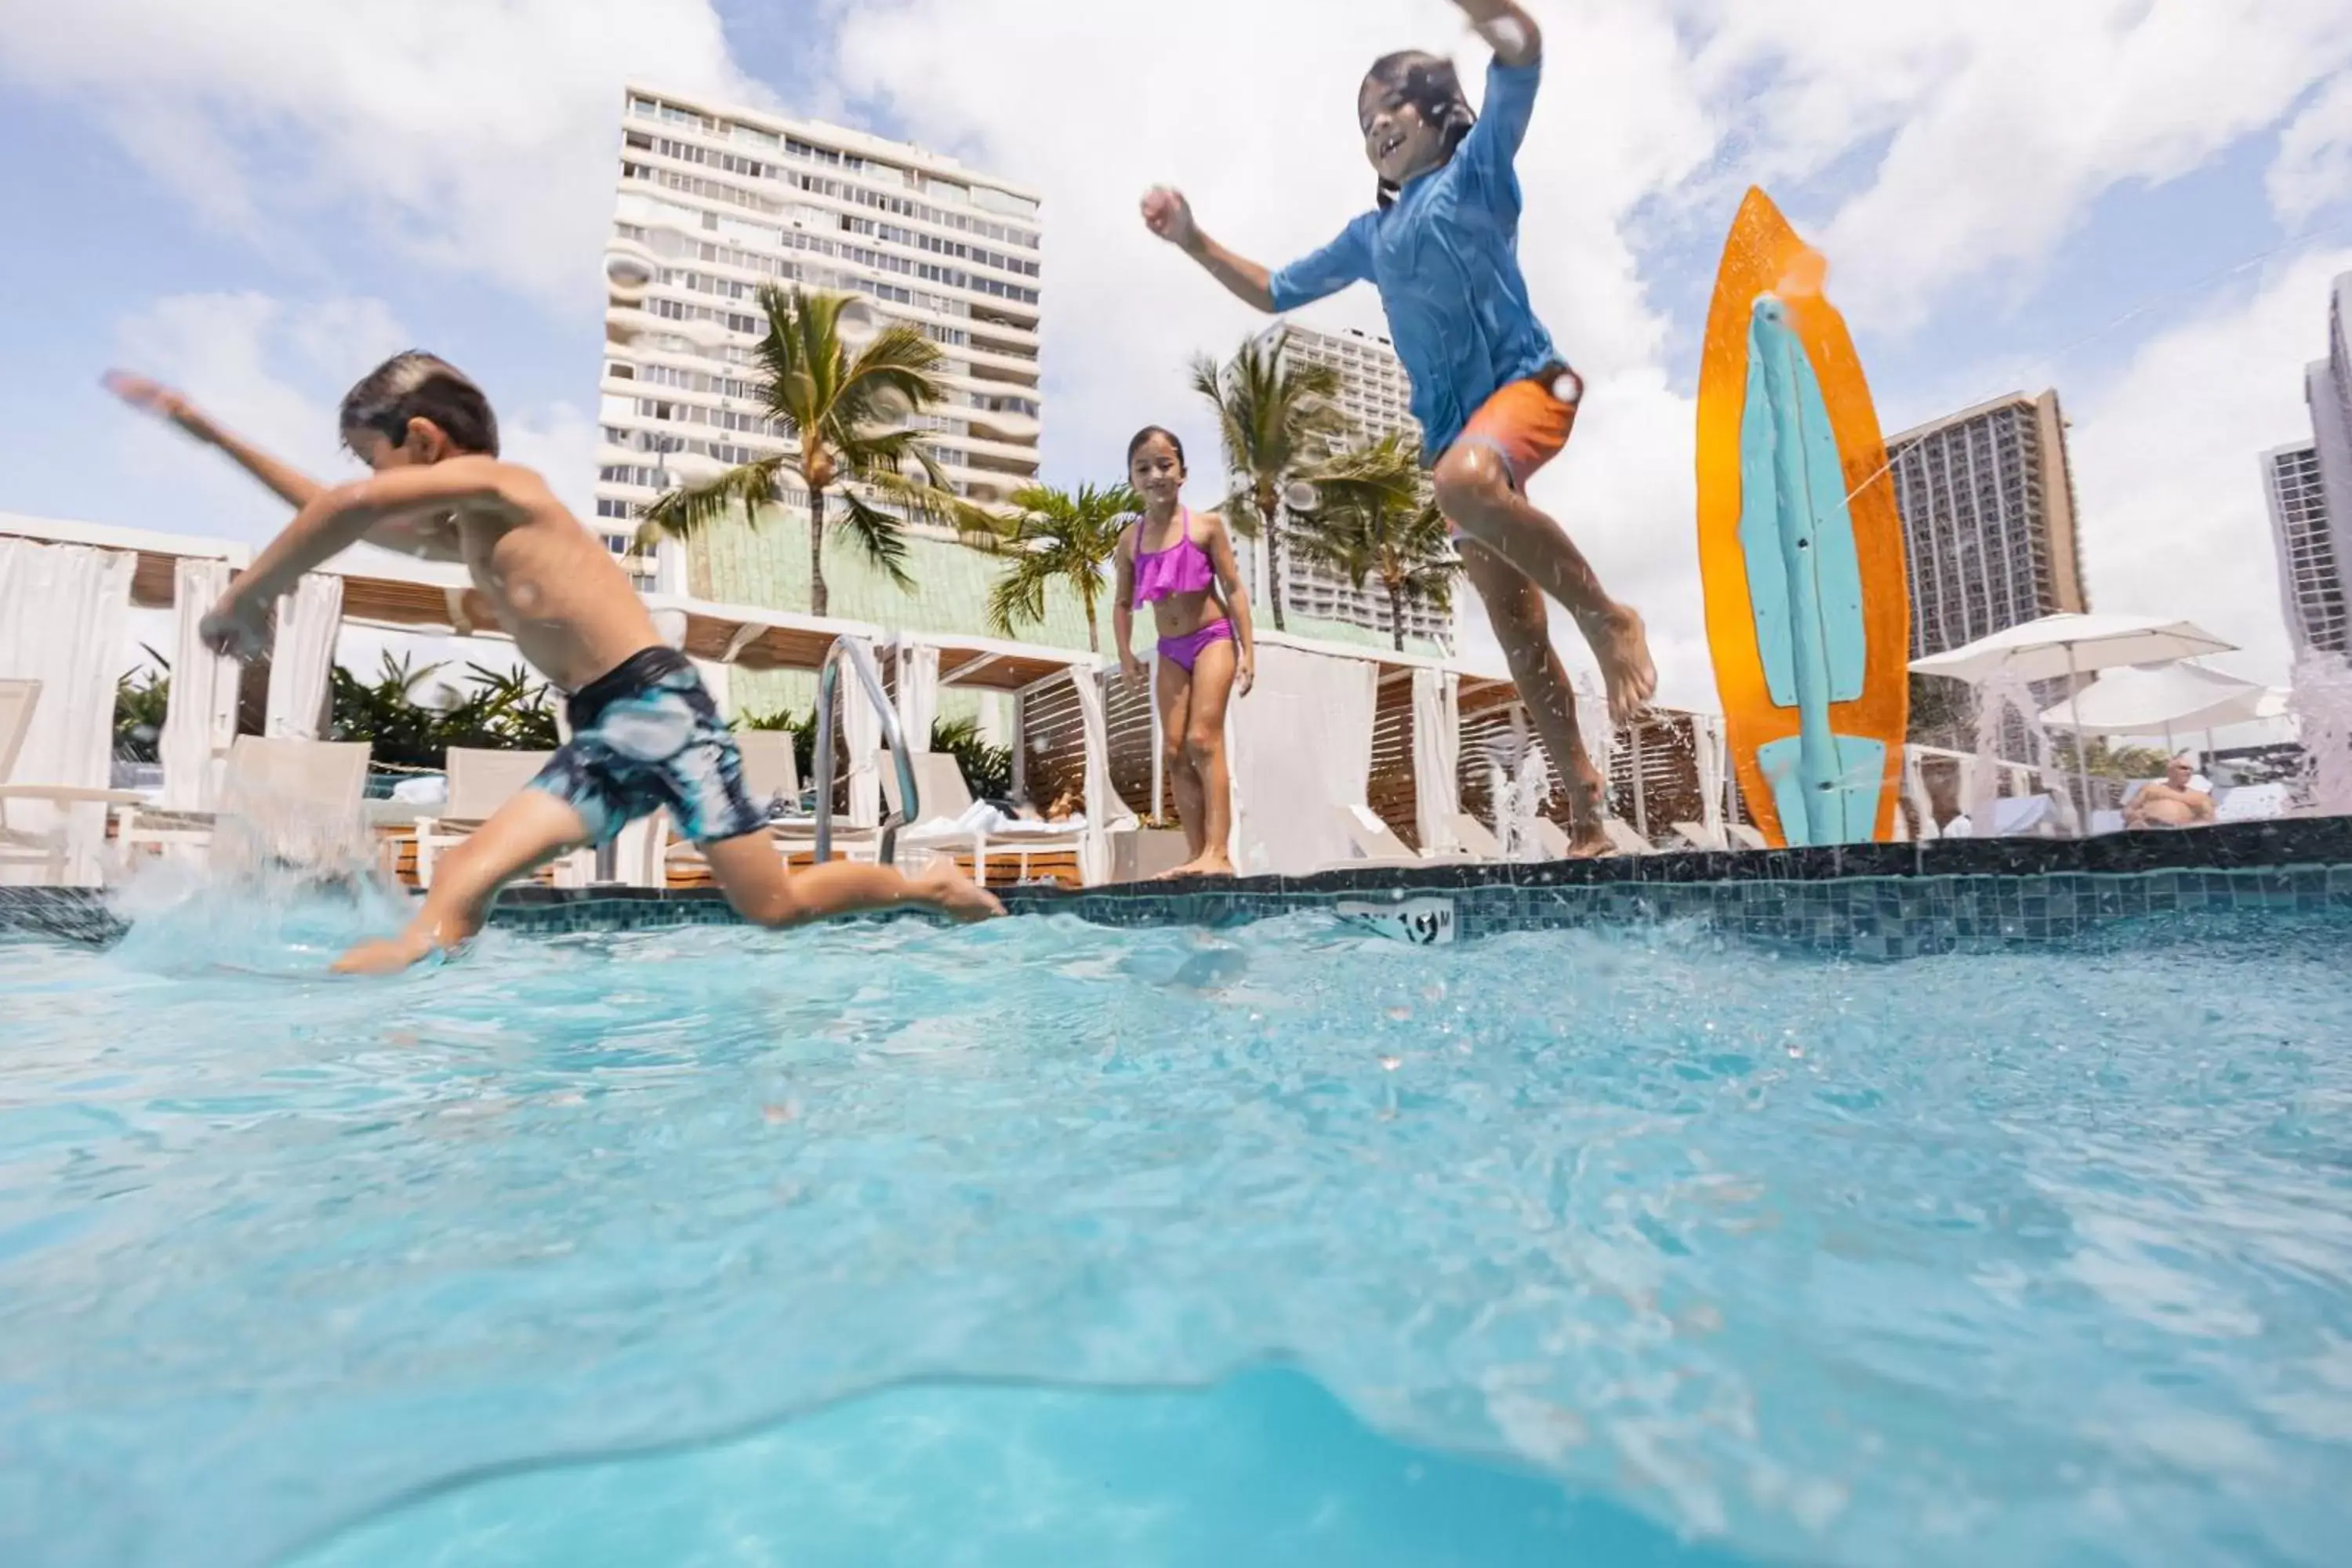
(1799, 548)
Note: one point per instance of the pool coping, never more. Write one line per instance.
(1881, 900)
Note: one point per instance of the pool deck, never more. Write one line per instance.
(1865, 900)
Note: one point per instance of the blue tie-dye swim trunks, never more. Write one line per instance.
(646, 737)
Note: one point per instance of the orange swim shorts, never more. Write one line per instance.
(1526, 424)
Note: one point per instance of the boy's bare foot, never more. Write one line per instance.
(1622, 645)
(387, 957)
(957, 895)
(1208, 863)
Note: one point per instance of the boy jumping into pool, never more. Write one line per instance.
(1495, 400)
(645, 735)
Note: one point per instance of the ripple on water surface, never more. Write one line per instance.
(2033, 1259)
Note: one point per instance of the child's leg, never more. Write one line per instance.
(750, 870)
(1175, 705)
(1204, 752)
(1516, 609)
(522, 834)
(1480, 494)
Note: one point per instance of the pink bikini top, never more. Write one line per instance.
(1182, 568)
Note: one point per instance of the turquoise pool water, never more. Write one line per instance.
(1042, 1244)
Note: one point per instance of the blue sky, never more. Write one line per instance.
(259, 205)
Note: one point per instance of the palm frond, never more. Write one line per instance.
(690, 508)
(881, 535)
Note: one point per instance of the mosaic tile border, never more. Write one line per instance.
(1876, 901)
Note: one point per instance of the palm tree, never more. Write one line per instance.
(1058, 536)
(1375, 519)
(1275, 417)
(844, 412)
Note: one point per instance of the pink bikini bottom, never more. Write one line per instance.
(1185, 651)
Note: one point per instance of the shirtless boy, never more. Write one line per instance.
(645, 735)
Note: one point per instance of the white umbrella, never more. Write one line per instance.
(2069, 644)
(2155, 701)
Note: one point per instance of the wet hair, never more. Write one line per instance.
(418, 386)
(1146, 433)
(1430, 83)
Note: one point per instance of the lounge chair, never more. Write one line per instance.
(1745, 835)
(2251, 803)
(1476, 838)
(20, 847)
(479, 783)
(303, 798)
(951, 823)
(1697, 837)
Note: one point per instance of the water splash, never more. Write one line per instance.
(1521, 777)
(2321, 701)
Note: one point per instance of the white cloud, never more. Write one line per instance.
(2003, 121)
(2174, 520)
(478, 137)
(2313, 166)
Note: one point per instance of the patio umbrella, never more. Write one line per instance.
(2068, 645)
(2158, 700)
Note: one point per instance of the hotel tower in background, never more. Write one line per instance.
(715, 201)
(1988, 503)
(2309, 486)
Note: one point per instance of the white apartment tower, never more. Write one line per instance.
(1377, 397)
(2309, 486)
(715, 201)
(2311, 578)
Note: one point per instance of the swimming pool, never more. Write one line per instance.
(1046, 1242)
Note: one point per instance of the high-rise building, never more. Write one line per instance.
(715, 201)
(2311, 578)
(1988, 504)
(1377, 397)
(2309, 486)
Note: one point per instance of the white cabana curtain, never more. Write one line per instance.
(918, 694)
(861, 729)
(1105, 810)
(302, 657)
(1301, 747)
(200, 718)
(64, 619)
(1707, 748)
(1436, 756)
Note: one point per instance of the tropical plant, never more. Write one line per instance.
(1058, 536)
(506, 710)
(142, 698)
(1376, 520)
(987, 769)
(1276, 418)
(844, 412)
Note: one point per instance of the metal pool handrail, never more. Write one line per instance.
(869, 676)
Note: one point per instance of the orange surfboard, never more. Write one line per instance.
(1799, 548)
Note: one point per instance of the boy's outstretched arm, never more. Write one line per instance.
(297, 489)
(337, 518)
(1508, 28)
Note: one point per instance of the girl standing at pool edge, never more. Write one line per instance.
(1182, 565)
(1495, 400)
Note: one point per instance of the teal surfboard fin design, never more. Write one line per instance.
(1804, 578)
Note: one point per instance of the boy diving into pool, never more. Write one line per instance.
(646, 734)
